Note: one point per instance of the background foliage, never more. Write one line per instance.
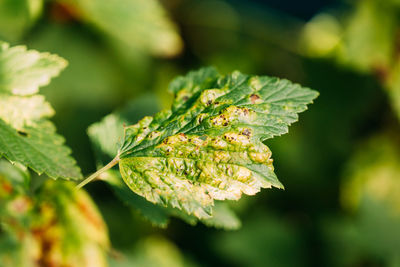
(340, 165)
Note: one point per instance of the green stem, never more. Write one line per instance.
(96, 174)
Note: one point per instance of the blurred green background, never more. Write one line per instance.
(340, 164)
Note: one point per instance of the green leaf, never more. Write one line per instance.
(26, 136)
(139, 25)
(209, 146)
(39, 148)
(107, 133)
(370, 193)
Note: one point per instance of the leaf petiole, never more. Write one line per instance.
(100, 171)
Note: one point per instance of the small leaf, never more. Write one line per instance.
(209, 146)
(26, 136)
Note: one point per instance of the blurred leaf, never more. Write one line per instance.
(365, 40)
(153, 251)
(374, 173)
(26, 135)
(320, 36)
(208, 146)
(369, 38)
(17, 16)
(371, 191)
(105, 136)
(393, 87)
(223, 217)
(17, 175)
(60, 226)
(369, 237)
(139, 25)
(14, 184)
(82, 235)
(262, 241)
(368, 42)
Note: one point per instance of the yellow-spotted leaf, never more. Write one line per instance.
(209, 146)
(105, 136)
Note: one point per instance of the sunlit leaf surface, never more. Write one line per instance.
(209, 145)
(105, 136)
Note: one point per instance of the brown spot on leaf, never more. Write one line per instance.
(7, 187)
(22, 133)
(254, 98)
(246, 132)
